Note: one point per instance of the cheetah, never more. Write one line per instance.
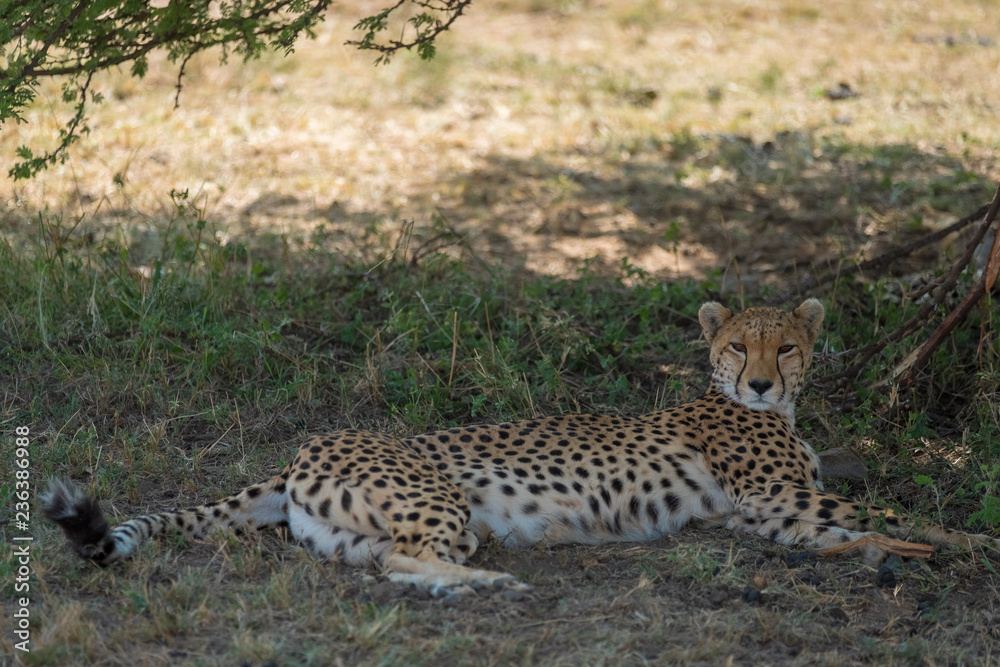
(419, 507)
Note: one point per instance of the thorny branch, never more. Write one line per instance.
(80, 39)
(425, 26)
(909, 367)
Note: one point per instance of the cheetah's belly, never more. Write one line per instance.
(590, 511)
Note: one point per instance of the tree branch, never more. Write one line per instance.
(427, 28)
(92, 37)
(919, 357)
(927, 310)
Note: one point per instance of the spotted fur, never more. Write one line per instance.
(420, 506)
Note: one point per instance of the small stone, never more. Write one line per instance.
(838, 614)
(751, 595)
(885, 577)
(513, 595)
(841, 462)
(718, 595)
(842, 91)
(924, 608)
(800, 558)
(810, 578)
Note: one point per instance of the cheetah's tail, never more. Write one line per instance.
(80, 517)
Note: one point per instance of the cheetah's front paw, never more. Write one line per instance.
(452, 586)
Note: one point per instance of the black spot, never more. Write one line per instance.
(324, 508)
(345, 500)
(508, 490)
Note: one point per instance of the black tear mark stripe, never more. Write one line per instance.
(740, 375)
(778, 368)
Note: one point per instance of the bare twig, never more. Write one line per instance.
(180, 79)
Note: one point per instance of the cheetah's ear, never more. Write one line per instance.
(811, 313)
(712, 316)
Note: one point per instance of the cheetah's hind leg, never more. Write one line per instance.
(367, 498)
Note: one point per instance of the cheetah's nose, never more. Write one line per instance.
(760, 386)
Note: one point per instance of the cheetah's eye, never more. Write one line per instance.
(739, 347)
(785, 349)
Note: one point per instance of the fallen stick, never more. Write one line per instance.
(888, 544)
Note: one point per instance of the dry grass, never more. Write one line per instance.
(695, 139)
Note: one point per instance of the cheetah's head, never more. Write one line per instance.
(760, 356)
